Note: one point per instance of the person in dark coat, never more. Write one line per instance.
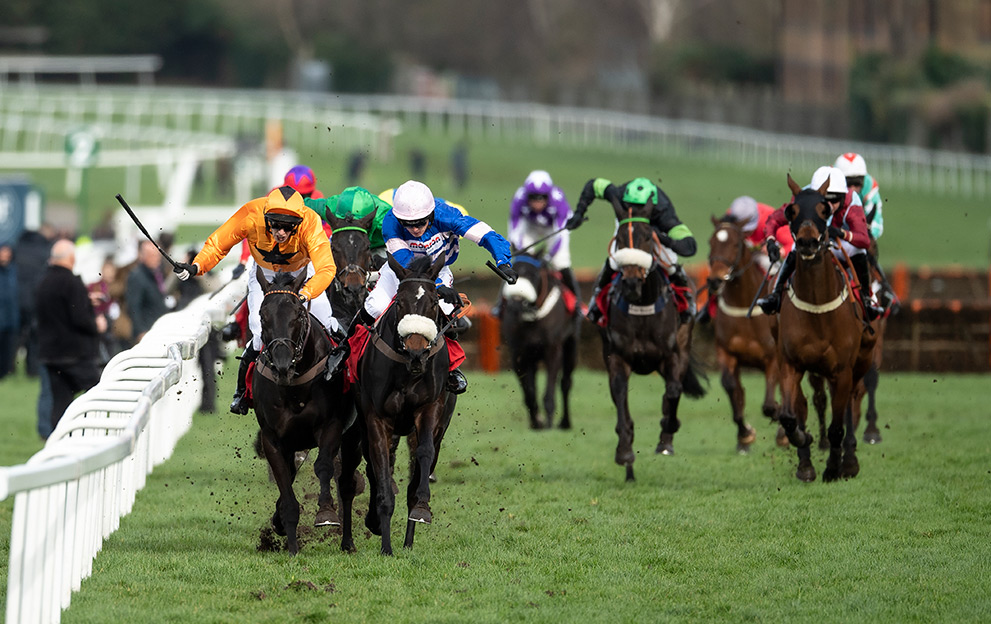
(145, 290)
(10, 324)
(33, 249)
(69, 330)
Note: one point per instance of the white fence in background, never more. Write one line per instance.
(71, 495)
(341, 123)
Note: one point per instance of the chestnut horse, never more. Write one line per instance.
(537, 327)
(400, 391)
(734, 279)
(820, 330)
(643, 334)
(295, 407)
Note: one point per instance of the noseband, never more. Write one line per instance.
(296, 347)
(401, 354)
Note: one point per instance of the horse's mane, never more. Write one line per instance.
(283, 279)
(420, 264)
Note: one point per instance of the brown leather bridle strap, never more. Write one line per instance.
(298, 380)
(387, 350)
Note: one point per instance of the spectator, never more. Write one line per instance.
(10, 323)
(145, 290)
(356, 166)
(70, 329)
(107, 306)
(33, 249)
(459, 164)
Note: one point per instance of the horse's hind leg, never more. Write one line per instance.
(819, 402)
(872, 435)
(526, 371)
(850, 467)
(324, 468)
(553, 359)
(745, 434)
(619, 380)
(421, 465)
(570, 355)
(347, 486)
(842, 388)
(669, 410)
(286, 517)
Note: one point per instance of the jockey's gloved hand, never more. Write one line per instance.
(238, 271)
(773, 250)
(185, 271)
(449, 295)
(303, 298)
(509, 271)
(576, 219)
(665, 239)
(837, 233)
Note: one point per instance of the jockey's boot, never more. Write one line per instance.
(339, 354)
(240, 403)
(771, 304)
(605, 276)
(887, 294)
(230, 331)
(571, 283)
(680, 279)
(859, 262)
(456, 382)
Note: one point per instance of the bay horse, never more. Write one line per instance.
(350, 245)
(538, 327)
(400, 390)
(820, 330)
(643, 333)
(734, 280)
(296, 408)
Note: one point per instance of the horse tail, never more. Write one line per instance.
(694, 383)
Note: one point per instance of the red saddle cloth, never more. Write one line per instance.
(359, 342)
(681, 298)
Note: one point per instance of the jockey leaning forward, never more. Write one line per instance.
(420, 225)
(675, 237)
(846, 224)
(284, 237)
(358, 202)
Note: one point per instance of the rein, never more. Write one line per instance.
(297, 348)
(433, 347)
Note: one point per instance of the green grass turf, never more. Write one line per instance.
(540, 526)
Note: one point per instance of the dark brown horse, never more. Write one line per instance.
(350, 244)
(734, 279)
(643, 334)
(537, 327)
(296, 408)
(400, 390)
(821, 331)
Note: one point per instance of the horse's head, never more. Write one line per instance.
(417, 308)
(285, 323)
(352, 253)
(635, 246)
(727, 251)
(531, 280)
(807, 214)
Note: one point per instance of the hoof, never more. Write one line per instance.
(421, 513)
(749, 438)
(830, 474)
(872, 435)
(277, 525)
(300, 457)
(664, 448)
(432, 478)
(742, 449)
(629, 472)
(781, 438)
(850, 468)
(327, 517)
(806, 473)
(348, 547)
(372, 524)
(823, 444)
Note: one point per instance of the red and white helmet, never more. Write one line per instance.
(837, 181)
(412, 201)
(851, 164)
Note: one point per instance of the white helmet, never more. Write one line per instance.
(744, 210)
(851, 164)
(412, 201)
(837, 181)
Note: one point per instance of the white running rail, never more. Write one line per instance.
(71, 495)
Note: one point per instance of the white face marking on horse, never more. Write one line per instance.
(721, 236)
(420, 292)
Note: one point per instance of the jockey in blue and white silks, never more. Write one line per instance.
(419, 224)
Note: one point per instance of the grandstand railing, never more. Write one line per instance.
(71, 495)
(338, 123)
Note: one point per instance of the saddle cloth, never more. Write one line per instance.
(603, 299)
(359, 342)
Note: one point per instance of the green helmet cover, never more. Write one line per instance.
(356, 201)
(639, 190)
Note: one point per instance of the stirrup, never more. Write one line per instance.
(456, 382)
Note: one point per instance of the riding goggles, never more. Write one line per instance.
(418, 223)
(282, 222)
(834, 198)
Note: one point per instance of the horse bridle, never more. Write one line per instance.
(735, 271)
(401, 354)
(297, 348)
(629, 221)
(352, 267)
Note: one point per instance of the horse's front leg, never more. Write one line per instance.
(346, 485)
(552, 358)
(569, 358)
(672, 371)
(619, 379)
(772, 380)
(421, 465)
(379, 464)
(526, 371)
(286, 516)
(745, 434)
(819, 402)
(792, 417)
(328, 444)
(872, 435)
(842, 391)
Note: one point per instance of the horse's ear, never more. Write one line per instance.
(260, 276)
(822, 189)
(367, 222)
(795, 188)
(649, 206)
(438, 264)
(791, 211)
(715, 221)
(334, 221)
(397, 268)
(299, 281)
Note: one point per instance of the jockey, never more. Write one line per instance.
(676, 239)
(302, 179)
(751, 216)
(284, 237)
(539, 209)
(422, 225)
(854, 168)
(846, 224)
(359, 202)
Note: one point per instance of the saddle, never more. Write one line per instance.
(610, 295)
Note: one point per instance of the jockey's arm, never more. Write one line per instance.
(856, 234)
(317, 247)
(673, 233)
(223, 239)
(478, 232)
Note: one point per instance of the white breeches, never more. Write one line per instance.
(385, 289)
(319, 306)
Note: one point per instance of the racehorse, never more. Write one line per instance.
(643, 334)
(538, 327)
(295, 407)
(400, 390)
(349, 243)
(820, 330)
(734, 280)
